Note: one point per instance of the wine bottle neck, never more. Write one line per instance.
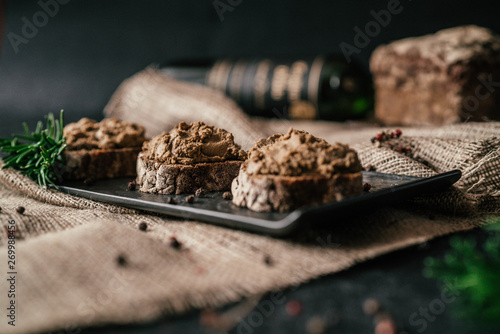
(320, 87)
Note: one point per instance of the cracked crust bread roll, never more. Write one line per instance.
(287, 171)
(101, 150)
(189, 157)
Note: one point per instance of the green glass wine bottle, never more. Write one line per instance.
(322, 87)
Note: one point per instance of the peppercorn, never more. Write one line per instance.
(121, 260)
(227, 195)
(131, 186)
(367, 187)
(190, 199)
(143, 226)
(383, 136)
(171, 200)
(268, 260)
(0, 209)
(200, 192)
(20, 209)
(174, 243)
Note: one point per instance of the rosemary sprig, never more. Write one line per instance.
(37, 154)
(474, 274)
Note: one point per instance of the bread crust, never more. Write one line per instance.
(287, 193)
(437, 79)
(160, 178)
(100, 164)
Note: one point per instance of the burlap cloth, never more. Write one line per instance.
(67, 248)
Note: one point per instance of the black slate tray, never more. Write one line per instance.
(212, 208)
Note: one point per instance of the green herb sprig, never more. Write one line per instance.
(475, 274)
(37, 154)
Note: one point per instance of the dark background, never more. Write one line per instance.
(81, 55)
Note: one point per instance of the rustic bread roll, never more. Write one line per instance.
(437, 79)
(106, 149)
(286, 172)
(189, 157)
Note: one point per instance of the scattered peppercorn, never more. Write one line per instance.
(131, 186)
(268, 260)
(200, 192)
(174, 243)
(20, 210)
(171, 200)
(190, 199)
(121, 260)
(367, 187)
(396, 134)
(371, 306)
(404, 150)
(293, 307)
(384, 136)
(0, 209)
(227, 195)
(143, 226)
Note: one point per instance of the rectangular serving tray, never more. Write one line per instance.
(212, 208)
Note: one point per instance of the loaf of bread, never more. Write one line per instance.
(288, 171)
(189, 157)
(98, 150)
(447, 77)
